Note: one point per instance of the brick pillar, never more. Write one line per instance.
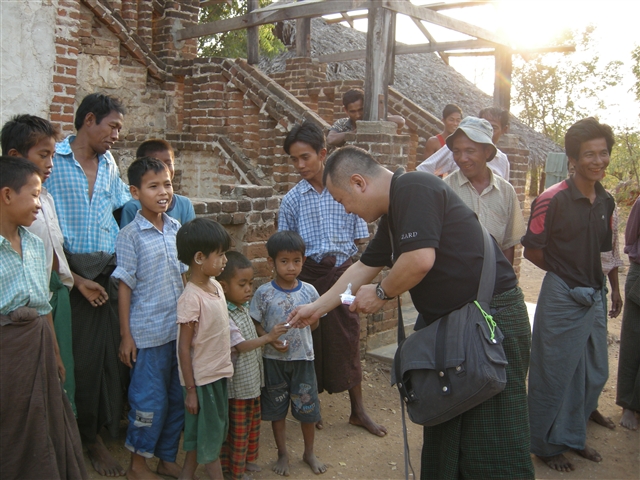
(519, 162)
(145, 22)
(130, 13)
(66, 64)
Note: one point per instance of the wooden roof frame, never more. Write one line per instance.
(380, 38)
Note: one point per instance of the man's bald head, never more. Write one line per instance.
(347, 161)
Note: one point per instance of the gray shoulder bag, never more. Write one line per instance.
(455, 363)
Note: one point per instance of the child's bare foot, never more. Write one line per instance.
(590, 454)
(141, 473)
(364, 420)
(629, 419)
(282, 465)
(600, 419)
(316, 465)
(102, 460)
(253, 467)
(558, 462)
(320, 424)
(169, 469)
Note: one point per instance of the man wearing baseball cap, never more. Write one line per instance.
(492, 198)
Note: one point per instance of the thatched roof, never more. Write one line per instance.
(424, 78)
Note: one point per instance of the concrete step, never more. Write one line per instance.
(385, 353)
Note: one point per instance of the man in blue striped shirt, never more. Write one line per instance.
(329, 234)
(87, 188)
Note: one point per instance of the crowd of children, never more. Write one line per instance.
(204, 356)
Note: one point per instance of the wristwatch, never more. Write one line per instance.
(381, 294)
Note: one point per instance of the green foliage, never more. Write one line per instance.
(234, 43)
(555, 90)
(623, 173)
(635, 69)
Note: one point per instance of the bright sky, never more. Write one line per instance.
(530, 23)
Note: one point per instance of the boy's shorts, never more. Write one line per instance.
(295, 380)
(207, 431)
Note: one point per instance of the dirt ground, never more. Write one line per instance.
(351, 452)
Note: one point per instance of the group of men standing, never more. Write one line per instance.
(430, 236)
(431, 240)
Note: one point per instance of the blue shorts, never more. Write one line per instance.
(287, 381)
(156, 417)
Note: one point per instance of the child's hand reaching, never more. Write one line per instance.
(276, 331)
(280, 345)
(191, 401)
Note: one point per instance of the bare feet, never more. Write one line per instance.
(600, 419)
(253, 467)
(102, 461)
(169, 469)
(141, 472)
(364, 420)
(320, 424)
(589, 453)
(629, 419)
(316, 465)
(282, 465)
(558, 462)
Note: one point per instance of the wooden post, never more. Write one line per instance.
(303, 36)
(253, 43)
(502, 82)
(377, 62)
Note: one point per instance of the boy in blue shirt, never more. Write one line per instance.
(290, 377)
(150, 285)
(181, 207)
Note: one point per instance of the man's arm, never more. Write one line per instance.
(407, 272)
(397, 119)
(95, 293)
(535, 256)
(431, 147)
(336, 139)
(357, 275)
(616, 298)
(510, 253)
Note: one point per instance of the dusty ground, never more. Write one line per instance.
(350, 452)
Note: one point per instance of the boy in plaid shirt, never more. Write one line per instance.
(240, 450)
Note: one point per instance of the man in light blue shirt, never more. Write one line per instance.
(87, 189)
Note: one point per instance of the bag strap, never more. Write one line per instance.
(488, 275)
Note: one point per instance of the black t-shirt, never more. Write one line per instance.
(425, 213)
(572, 232)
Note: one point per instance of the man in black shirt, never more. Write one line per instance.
(438, 243)
(570, 225)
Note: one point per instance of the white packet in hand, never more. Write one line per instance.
(347, 298)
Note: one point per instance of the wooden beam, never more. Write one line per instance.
(450, 6)
(303, 36)
(401, 49)
(347, 19)
(253, 41)
(518, 51)
(407, 8)
(502, 82)
(430, 37)
(377, 58)
(271, 14)
(435, 7)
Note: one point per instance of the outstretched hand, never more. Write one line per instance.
(366, 300)
(303, 316)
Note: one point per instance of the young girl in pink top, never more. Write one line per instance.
(204, 352)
